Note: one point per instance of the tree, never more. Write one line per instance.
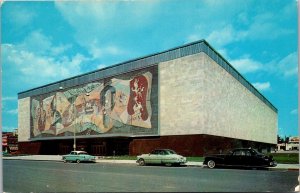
(279, 139)
(286, 139)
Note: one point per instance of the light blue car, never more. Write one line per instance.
(78, 156)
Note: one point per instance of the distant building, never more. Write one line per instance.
(9, 142)
(188, 98)
(293, 144)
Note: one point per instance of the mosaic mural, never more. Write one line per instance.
(94, 108)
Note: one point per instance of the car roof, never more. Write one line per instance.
(163, 149)
(243, 149)
(79, 151)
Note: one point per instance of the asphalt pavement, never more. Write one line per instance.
(116, 161)
(56, 176)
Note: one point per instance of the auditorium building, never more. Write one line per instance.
(188, 98)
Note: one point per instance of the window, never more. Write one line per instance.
(170, 152)
(248, 153)
(155, 152)
(239, 153)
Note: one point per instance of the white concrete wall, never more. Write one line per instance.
(197, 96)
(24, 119)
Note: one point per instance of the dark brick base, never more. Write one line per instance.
(187, 145)
(193, 145)
(32, 148)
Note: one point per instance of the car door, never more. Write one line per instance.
(249, 159)
(246, 158)
(256, 159)
(153, 157)
(70, 157)
(74, 156)
(235, 158)
(163, 157)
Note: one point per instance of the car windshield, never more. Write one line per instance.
(82, 153)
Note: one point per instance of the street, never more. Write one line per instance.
(47, 176)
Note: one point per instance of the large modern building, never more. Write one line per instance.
(188, 98)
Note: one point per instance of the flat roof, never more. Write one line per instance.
(147, 61)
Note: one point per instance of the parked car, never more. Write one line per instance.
(161, 156)
(78, 156)
(240, 158)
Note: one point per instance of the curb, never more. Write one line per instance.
(286, 169)
(133, 162)
(31, 159)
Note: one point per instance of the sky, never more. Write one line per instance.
(47, 41)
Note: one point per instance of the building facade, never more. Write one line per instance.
(188, 98)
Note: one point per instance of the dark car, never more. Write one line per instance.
(240, 158)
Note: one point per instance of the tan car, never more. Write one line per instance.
(161, 157)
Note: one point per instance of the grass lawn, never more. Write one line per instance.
(121, 157)
(195, 159)
(127, 157)
(281, 158)
(286, 158)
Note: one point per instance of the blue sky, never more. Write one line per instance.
(43, 42)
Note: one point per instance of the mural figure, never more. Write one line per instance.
(107, 96)
(137, 101)
(56, 116)
(41, 117)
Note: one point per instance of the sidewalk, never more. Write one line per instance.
(102, 160)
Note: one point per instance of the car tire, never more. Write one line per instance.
(168, 164)
(78, 161)
(211, 164)
(141, 162)
(65, 160)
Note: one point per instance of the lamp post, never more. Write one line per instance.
(74, 116)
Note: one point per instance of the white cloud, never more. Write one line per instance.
(36, 68)
(19, 16)
(264, 27)
(225, 36)
(12, 111)
(262, 86)
(8, 129)
(285, 67)
(223, 53)
(36, 42)
(225, 22)
(288, 66)
(294, 112)
(10, 98)
(99, 23)
(99, 14)
(100, 66)
(193, 37)
(97, 51)
(246, 65)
